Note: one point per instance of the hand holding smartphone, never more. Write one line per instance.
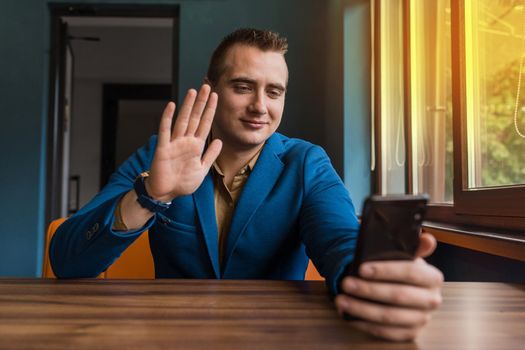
(390, 229)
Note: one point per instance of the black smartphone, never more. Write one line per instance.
(390, 229)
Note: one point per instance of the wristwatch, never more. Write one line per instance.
(144, 199)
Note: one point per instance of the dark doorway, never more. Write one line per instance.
(61, 116)
(131, 114)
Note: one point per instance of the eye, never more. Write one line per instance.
(274, 93)
(242, 88)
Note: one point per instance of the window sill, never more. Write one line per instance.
(508, 245)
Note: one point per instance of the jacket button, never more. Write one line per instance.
(91, 232)
(163, 220)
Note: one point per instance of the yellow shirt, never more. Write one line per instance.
(226, 197)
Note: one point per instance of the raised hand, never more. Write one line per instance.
(179, 165)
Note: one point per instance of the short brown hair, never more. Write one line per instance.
(264, 40)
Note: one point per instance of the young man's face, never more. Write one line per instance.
(251, 97)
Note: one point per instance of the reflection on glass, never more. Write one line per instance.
(494, 42)
(431, 98)
(392, 89)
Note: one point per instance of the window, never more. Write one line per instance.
(390, 130)
(495, 104)
(430, 111)
(451, 89)
(489, 160)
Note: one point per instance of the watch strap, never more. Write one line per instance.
(144, 199)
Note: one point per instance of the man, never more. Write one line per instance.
(244, 201)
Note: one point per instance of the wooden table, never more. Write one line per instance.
(209, 314)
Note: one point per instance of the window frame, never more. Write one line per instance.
(376, 141)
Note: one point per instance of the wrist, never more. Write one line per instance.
(119, 224)
(152, 194)
(133, 214)
(145, 199)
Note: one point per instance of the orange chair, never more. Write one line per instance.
(312, 274)
(135, 263)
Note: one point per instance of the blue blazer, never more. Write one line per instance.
(293, 206)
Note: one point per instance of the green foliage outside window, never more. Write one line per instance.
(503, 150)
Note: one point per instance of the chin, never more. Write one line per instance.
(253, 140)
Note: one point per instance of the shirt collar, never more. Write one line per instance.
(245, 169)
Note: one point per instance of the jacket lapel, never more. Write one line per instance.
(205, 204)
(259, 184)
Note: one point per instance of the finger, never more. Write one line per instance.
(393, 333)
(392, 293)
(427, 245)
(181, 124)
(207, 117)
(198, 108)
(416, 272)
(165, 124)
(381, 313)
(211, 154)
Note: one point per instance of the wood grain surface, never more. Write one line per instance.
(220, 314)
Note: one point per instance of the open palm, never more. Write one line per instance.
(179, 165)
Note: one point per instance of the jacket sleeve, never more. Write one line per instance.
(328, 223)
(85, 245)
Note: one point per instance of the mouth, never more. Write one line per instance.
(253, 124)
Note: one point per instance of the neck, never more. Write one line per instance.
(232, 160)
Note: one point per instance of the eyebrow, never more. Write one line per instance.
(253, 82)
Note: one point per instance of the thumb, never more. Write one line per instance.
(427, 245)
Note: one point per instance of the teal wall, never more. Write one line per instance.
(23, 86)
(357, 100)
(313, 28)
(347, 94)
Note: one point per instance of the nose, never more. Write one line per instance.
(258, 104)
